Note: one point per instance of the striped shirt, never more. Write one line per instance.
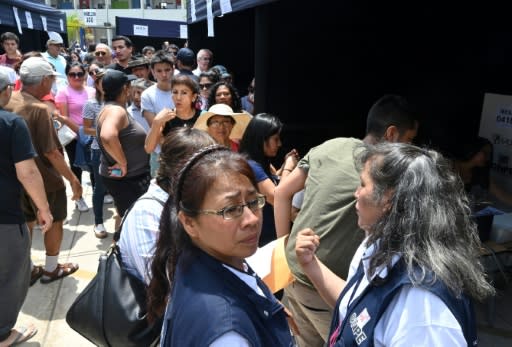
(140, 232)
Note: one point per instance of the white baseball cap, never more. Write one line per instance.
(55, 38)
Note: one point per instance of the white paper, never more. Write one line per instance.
(193, 10)
(90, 17)
(209, 18)
(225, 6)
(183, 31)
(28, 16)
(261, 261)
(496, 125)
(61, 25)
(17, 18)
(140, 30)
(43, 20)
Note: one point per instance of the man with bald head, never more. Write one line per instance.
(103, 54)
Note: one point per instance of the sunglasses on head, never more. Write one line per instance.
(76, 74)
(98, 53)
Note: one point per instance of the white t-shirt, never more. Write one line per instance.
(136, 114)
(154, 100)
(415, 317)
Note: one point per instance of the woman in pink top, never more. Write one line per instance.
(70, 102)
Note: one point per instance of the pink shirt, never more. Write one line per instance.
(75, 99)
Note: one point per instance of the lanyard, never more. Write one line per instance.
(359, 275)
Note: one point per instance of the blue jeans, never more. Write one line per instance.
(98, 192)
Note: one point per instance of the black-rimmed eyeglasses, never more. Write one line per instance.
(232, 211)
(205, 85)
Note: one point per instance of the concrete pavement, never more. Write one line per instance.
(46, 304)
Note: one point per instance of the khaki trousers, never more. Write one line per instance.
(312, 315)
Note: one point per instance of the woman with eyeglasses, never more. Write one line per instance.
(70, 103)
(225, 126)
(206, 80)
(207, 230)
(185, 95)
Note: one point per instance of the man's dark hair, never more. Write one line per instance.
(390, 110)
(9, 36)
(126, 40)
(148, 48)
(162, 57)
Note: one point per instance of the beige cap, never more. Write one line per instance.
(37, 66)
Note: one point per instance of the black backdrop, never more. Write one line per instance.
(30, 40)
(320, 69)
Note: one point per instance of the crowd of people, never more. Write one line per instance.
(383, 227)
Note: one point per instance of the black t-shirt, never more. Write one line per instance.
(15, 146)
(178, 122)
(116, 66)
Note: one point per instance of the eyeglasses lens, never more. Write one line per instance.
(233, 212)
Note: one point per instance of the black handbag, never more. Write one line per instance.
(110, 311)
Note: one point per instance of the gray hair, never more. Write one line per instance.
(30, 80)
(428, 223)
(102, 45)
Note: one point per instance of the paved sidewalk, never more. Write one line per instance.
(46, 304)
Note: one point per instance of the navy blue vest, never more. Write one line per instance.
(376, 298)
(208, 301)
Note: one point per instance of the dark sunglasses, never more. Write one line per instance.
(205, 86)
(76, 74)
(98, 53)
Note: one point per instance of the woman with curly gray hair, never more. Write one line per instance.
(415, 275)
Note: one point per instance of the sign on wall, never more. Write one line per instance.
(90, 17)
(496, 125)
(140, 30)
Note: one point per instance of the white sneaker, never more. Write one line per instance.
(100, 231)
(108, 199)
(81, 205)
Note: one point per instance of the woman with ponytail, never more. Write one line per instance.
(206, 232)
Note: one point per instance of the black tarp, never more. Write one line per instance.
(155, 28)
(201, 11)
(26, 10)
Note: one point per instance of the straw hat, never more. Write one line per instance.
(241, 119)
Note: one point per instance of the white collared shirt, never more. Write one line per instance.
(415, 317)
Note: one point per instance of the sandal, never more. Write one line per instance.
(37, 272)
(19, 335)
(62, 270)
